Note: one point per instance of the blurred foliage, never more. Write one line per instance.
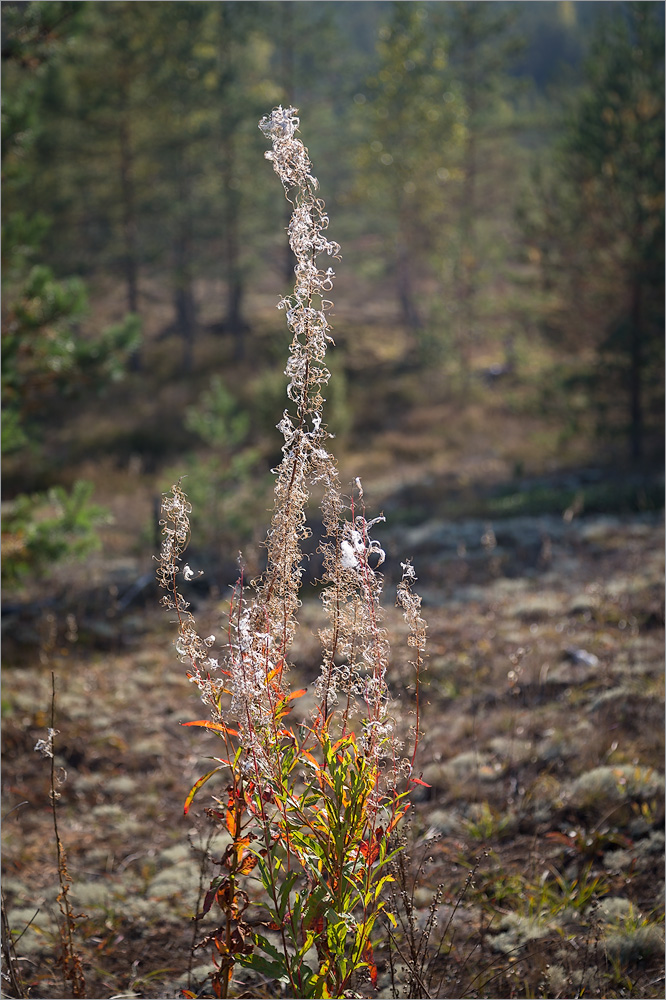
(44, 528)
(46, 357)
(495, 172)
(408, 117)
(596, 225)
(217, 419)
(222, 482)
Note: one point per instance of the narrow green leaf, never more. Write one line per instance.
(273, 970)
(283, 898)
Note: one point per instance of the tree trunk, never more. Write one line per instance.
(234, 324)
(184, 302)
(235, 321)
(289, 87)
(130, 262)
(409, 311)
(185, 309)
(129, 222)
(231, 204)
(466, 264)
(636, 373)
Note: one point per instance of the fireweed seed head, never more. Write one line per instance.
(191, 648)
(411, 608)
(45, 747)
(262, 620)
(289, 156)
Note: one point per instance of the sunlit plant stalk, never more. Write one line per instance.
(311, 810)
(69, 959)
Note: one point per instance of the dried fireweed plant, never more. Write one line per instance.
(312, 810)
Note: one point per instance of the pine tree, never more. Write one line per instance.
(482, 47)
(44, 355)
(599, 225)
(412, 121)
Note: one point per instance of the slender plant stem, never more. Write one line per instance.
(71, 961)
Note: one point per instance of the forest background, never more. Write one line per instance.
(494, 174)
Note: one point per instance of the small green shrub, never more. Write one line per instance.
(225, 485)
(43, 528)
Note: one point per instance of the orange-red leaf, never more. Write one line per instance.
(562, 838)
(308, 756)
(232, 822)
(277, 670)
(396, 819)
(370, 851)
(369, 958)
(195, 788)
(297, 694)
(417, 781)
(217, 726)
(248, 864)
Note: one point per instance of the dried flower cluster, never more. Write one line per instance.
(189, 644)
(261, 630)
(45, 747)
(410, 602)
(334, 823)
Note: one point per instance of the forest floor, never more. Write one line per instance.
(543, 746)
(542, 705)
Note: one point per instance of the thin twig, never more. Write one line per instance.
(70, 961)
(9, 954)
